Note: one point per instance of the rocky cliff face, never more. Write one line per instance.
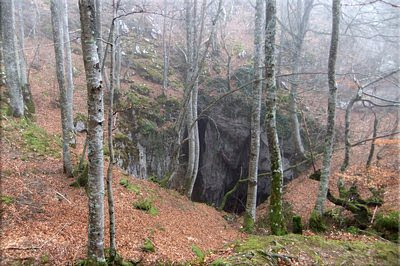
(224, 140)
(224, 158)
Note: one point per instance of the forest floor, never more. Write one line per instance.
(44, 219)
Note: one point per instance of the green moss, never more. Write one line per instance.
(44, 259)
(248, 224)
(297, 225)
(199, 254)
(388, 225)
(128, 185)
(147, 126)
(256, 250)
(148, 70)
(146, 205)
(81, 174)
(353, 230)
(316, 222)
(148, 246)
(5, 199)
(34, 138)
(142, 89)
(219, 262)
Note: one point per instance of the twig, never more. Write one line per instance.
(61, 195)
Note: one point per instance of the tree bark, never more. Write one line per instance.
(251, 202)
(67, 131)
(374, 134)
(2, 71)
(165, 48)
(98, 32)
(23, 76)
(275, 213)
(328, 149)
(11, 57)
(95, 131)
(113, 78)
(69, 73)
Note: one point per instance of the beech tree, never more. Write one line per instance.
(328, 145)
(276, 218)
(251, 202)
(68, 72)
(95, 131)
(11, 57)
(65, 102)
(297, 33)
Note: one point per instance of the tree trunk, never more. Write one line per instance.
(25, 88)
(69, 74)
(2, 71)
(372, 149)
(67, 131)
(165, 48)
(275, 214)
(251, 202)
(11, 57)
(113, 77)
(95, 132)
(98, 32)
(328, 149)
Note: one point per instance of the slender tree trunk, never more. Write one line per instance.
(117, 75)
(275, 214)
(69, 74)
(251, 202)
(95, 132)
(374, 134)
(190, 50)
(98, 33)
(2, 71)
(11, 57)
(67, 131)
(21, 47)
(347, 145)
(113, 77)
(328, 149)
(165, 48)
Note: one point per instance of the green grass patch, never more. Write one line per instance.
(262, 250)
(199, 254)
(33, 138)
(148, 245)
(5, 199)
(146, 205)
(129, 186)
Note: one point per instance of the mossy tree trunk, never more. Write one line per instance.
(11, 57)
(95, 131)
(328, 145)
(22, 68)
(277, 222)
(66, 115)
(251, 203)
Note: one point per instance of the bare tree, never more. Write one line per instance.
(67, 130)
(95, 131)
(114, 76)
(251, 202)
(68, 72)
(298, 33)
(11, 57)
(328, 145)
(275, 213)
